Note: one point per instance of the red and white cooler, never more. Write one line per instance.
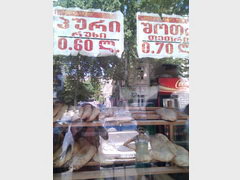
(173, 92)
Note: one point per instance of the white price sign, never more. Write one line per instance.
(87, 32)
(162, 37)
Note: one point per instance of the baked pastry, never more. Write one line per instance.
(167, 114)
(162, 149)
(182, 156)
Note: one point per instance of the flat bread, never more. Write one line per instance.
(56, 108)
(81, 109)
(94, 115)
(56, 154)
(167, 114)
(162, 149)
(87, 111)
(57, 141)
(182, 156)
(61, 160)
(60, 113)
(83, 152)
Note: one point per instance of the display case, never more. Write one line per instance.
(118, 161)
(119, 104)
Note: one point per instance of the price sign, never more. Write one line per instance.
(162, 37)
(87, 32)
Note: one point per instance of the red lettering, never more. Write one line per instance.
(114, 24)
(62, 43)
(175, 29)
(103, 35)
(95, 35)
(65, 24)
(160, 47)
(102, 43)
(169, 48)
(145, 47)
(82, 23)
(88, 45)
(87, 34)
(161, 26)
(151, 37)
(148, 28)
(182, 48)
(98, 25)
(77, 45)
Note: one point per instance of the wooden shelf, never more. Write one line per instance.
(143, 112)
(127, 168)
(117, 123)
(129, 161)
(115, 162)
(131, 108)
(115, 172)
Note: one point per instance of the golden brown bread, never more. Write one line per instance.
(57, 153)
(80, 112)
(181, 158)
(87, 111)
(162, 149)
(94, 114)
(56, 108)
(61, 160)
(57, 141)
(60, 113)
(167, 114)
(83, 152)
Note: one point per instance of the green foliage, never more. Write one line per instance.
(72, 93)
(83, 76)
(105, 5)
(179, 7)
(183, 65)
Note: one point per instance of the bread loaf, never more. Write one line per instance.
(83, 152)
(87, 111)
(181, 158)
(60, 161)
(167, 114)
(57, 153)
(102, 115)
(60, 113)
(80, 113)
(94, 114)
(76, 116)
(56, 108)
(57, 141)
(162, 149)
